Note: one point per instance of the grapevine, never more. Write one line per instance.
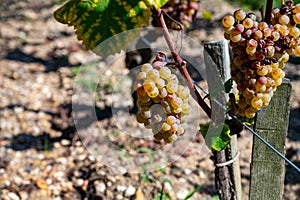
(260, 51)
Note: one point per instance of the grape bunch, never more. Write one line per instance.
(260, 51)
(182, 11)
(162, 100)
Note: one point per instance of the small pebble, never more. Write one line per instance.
(119, 197)
(79, 182)
(129, 191)
(121, 188)
(13, 196)
(100, 187)
(65, 142)
(182, 193)
(187, 171)
(167, 187)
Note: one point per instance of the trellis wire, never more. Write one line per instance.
(250, 129)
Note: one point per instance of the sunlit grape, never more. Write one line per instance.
(240, 14)
(228, 21)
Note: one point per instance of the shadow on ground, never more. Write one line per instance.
(52, 64)
(62, 122)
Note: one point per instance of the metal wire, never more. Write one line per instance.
(250, 129)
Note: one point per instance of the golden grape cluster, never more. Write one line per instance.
(162, 100)
(259, 53)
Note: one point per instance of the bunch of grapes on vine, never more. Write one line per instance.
(260, 50)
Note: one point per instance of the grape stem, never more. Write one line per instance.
(179, 63)
(268, 12)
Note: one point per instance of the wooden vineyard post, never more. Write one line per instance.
(267, 168)
(217, 62)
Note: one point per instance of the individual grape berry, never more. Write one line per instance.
(152, 73)
(284, 30)
(235, 37)
(186, 109)
(173, 78)
(278, 82)
(149, 86)
(256, 102)
(229, 30)
(160, 83)
(174, 128)
(276, 36)
(165, 73)
(177, 103)
(165, 126)
(296, 18)
(297, 51)
(257, 35)
(294, 32)
(252, 44)
(270, 51)
(267, 32)
(262, 70)
(248, 23)
(146, 67)
(262, 25)
(296, 8)
(239, 28)
(228, 21)
(240, 14)
(182, 92)
(262, 80)
(141, 75)
(172, 87)
(284, 20)
(154, 93)
(171, 120)
(277, 73)
(180, 130)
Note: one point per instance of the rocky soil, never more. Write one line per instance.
(54, 148)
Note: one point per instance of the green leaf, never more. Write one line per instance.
(207, 15)
(156, 3)
(191, 193)
(215, 197)
(217, 142)
(97, 20)
(146, 150)
(204, 129)
(228, 85)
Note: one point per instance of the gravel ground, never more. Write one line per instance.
(41, 151)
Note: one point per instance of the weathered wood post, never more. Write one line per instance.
(267, 168)
(217, 62)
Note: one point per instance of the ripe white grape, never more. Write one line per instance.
(228, 21)
(284, 20)
(240, 14)
(165, 72)
(296, 18)
(146, 67)
(172, 87)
